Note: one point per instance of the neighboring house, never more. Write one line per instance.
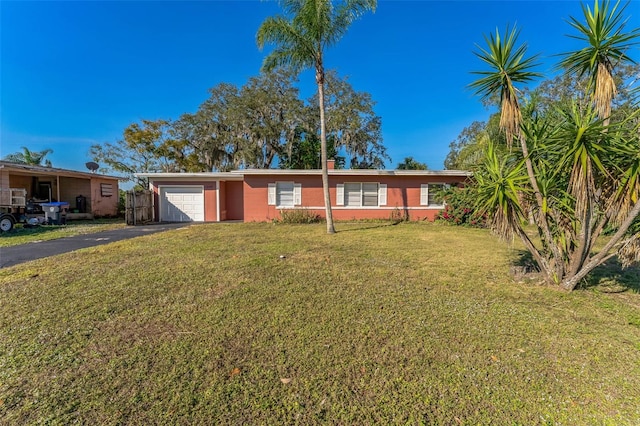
(88, 194)
(258, 195)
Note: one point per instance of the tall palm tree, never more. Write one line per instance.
(301, 37)
(607, 47)
(33, 158)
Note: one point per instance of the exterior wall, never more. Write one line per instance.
(234, 200)
(4, 179)
(210, 206)
(20, 181)
(70, 188)
(403, 196)
(65, 186)
(5, 195)
(222, 199)
(99, 205)
(27, 182)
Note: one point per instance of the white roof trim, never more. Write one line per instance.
(357, 172)
(239, 174)
(203, 175)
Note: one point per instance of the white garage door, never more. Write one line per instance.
(181, 204)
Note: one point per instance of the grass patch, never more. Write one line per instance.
(22, 235)
(283, 324)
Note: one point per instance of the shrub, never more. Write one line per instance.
(298, 216)
(122, 202)
(397, 215)
(459, 208)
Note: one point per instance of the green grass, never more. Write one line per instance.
(406, 324)
(22, 235)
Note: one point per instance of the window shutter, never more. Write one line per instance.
(106, 189)
(271, 198)
(382, 194)
(340, 194)
(424, 194)
(297, 194)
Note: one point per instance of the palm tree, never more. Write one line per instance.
(301, 39)
(410, 163)
(32, 158)
(607, 47)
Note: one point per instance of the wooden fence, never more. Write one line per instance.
(139, 207)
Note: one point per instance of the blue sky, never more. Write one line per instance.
(77, 73)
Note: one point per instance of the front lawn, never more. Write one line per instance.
(22, 235)
(283, 324)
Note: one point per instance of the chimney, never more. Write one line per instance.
(331, 164)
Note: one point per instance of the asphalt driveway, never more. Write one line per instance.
(14, 255)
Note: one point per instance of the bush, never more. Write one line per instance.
(303, 216)
(397, 215)
(459, 208)
(122, 202)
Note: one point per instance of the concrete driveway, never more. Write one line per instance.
(14, 255)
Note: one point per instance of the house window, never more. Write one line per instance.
(361, 194)
(431, 194)
(285, 194)
(106, 189)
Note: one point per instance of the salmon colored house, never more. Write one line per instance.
(260, 195)
(88, 194)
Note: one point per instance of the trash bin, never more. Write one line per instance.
(81, 204)
(55, 213)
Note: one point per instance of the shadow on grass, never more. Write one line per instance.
(609, 277)
(357, 226)
(21, 230)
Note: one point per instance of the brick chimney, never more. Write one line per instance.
(331, 164)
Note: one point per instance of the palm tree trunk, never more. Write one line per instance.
(323, 152)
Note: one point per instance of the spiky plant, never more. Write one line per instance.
(507, 67)
(607, 46)
(583, 169)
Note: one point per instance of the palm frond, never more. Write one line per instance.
(508, 66)
(629, 254)
(500, 183)
(349, 11)
(607, 45)
(293, 46)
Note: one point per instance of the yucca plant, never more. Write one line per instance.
(607, 46)
(581, 171)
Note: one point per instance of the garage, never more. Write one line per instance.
(182, 203)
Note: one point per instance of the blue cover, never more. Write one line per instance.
(55, 204)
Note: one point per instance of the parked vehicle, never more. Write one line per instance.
(13, 203)
(15, 208)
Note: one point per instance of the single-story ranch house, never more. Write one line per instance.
(258, 195)
(88, 194)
